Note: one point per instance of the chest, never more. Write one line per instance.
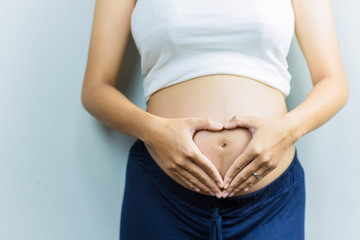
(185, 23)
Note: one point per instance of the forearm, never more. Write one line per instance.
(325, 99)
(115, 110)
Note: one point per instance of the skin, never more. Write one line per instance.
(187, 144)
(220, 97)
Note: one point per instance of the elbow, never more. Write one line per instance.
(339, 89)
(345, 93)
(89, 94)
(85, 97)
(84, 101)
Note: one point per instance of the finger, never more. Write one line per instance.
(189, 184)
(239, 163)
(207, 166)
(261, 166)
(199, 178)
(240, 121)
(261, 173)
(206, 124)
(251, 180)
(265, 165)
(242, 177)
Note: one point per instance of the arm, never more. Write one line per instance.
(316, 34)
(109, 40)
(172, 139)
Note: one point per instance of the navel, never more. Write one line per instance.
(224, 145)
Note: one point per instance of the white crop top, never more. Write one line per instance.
(182, 39)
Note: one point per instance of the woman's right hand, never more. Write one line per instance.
(179, 155)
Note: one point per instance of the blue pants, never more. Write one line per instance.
(156, 207)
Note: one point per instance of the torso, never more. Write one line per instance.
(220, 97)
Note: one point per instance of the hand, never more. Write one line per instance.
(271, 136)
(179, 155)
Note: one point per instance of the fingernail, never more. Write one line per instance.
(218, 195)
(226, 185)
(197, 189)
(245, 189)
(219, 184)
(225, 194)
(219, 125)
(231, 194)
(212, 193)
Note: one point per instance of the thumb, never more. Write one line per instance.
(239, 121)
(207, 124)
(208, 167)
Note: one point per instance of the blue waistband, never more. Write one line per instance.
(283, 183)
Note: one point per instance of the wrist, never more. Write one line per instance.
(293, 127)
(152, 128)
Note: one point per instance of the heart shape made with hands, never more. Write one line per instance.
(229, 145)
(241, 140)
(270, 138)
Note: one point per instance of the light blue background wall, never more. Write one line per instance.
(62, 171)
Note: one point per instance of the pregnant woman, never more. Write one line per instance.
(214, 156)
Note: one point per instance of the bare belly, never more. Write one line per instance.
(220, 97)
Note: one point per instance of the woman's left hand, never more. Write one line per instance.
(271, 136)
